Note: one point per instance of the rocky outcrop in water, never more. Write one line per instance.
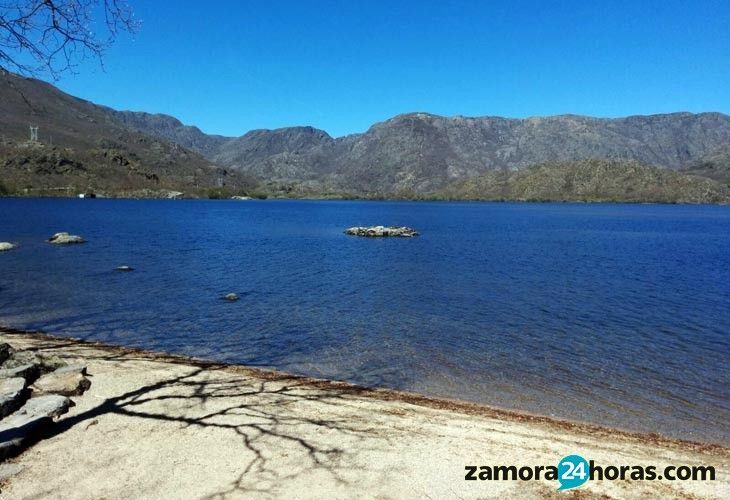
(382, 231)
(5, 246)
(65, 239)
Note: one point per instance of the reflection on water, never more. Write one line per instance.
(614, 314)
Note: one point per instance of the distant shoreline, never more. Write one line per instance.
(364, 198)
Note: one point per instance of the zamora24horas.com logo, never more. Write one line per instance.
(574, 471)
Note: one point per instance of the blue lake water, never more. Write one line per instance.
(613, 314)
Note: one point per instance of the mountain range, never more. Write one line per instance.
(424, 152)
(82, 147)
(409, 155)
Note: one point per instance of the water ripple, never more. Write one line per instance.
(615, 314)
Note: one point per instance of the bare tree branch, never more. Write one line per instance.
(54, 36)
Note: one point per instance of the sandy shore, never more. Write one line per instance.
(158, 427)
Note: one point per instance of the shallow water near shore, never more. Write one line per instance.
(611, 314)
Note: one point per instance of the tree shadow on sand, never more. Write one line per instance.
(266, 411)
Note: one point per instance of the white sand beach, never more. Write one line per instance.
(161, 427)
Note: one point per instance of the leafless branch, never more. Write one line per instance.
(54, 36)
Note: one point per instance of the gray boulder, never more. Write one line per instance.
(74, 368)
(67, 383)
(29, 372)
(46, 362)
(6, 350)
(20, 358)
(19, 428)
(52, 405)
(65, 239)
(50, 362)
(12, 395)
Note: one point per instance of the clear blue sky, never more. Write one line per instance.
(231, 66)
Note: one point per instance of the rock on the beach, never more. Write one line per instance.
(12, 395)
(73, 368)
(37, 413)
(6, 350)
(29, 372)
(65, 239)
(52, 405)
(20, 358)
(50, 362)
(231, 297)
(66, 383)
(382, 231)
(4, 246)
(46, 362)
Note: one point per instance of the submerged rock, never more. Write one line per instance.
(231, 297)
(382, 231)
(65, 239)
(4, 246)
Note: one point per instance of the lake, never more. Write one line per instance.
(612, 314)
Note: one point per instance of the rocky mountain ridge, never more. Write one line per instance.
(84, 146)
(424, 152)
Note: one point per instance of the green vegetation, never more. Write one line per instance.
(217, 194)
(225, 193)
(576, 181)
(4, 190)
(715, 165)
(590, 181)
(83, 147)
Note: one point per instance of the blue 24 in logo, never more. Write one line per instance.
(573, 471)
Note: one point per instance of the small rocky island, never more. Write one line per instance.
(382, 231)
(65, 239)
